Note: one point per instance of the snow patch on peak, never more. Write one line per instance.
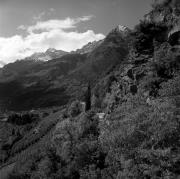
(122, 28)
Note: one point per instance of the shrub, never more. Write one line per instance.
(145, 34)
(166, 61)
(23, 119)
(75, 109)
(171, 87)
(142, 141)
(45, 114)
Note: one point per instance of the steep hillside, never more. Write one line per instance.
(30, 84)
(112, 51)
(131, 127)
(88, 47)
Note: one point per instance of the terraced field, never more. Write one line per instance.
(31, 143)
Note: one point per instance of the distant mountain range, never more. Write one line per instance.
(50, 54)
(56, 77)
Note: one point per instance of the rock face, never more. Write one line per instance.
(167, 12)
(157, 17)
(123, 30)
(174, 35)
(88, 47)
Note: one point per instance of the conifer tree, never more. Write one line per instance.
(88, 97)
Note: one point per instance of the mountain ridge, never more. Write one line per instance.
(65, 76)
(121, 119)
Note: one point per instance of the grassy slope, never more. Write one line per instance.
(32, 142)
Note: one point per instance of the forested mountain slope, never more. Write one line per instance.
(36, 83)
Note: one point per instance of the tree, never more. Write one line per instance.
(88, 97)
(145, 34)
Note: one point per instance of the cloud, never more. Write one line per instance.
(52, 9)
(67, 23)
(22, 27)
(54, 33)
(39, 16)
(43, 14)
(1, 64)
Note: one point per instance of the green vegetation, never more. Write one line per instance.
(146, 34)
(23, 119)
(139, 133)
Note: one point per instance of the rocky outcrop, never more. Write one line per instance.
(167, 12)
(88, 47)
(154, 17)
(174, 35)
(122, 30)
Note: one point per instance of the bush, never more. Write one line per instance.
(142, 141)
(171, 87)
(23, 119)
(45, 114)
(77, 145)
(75, 108)
(145, 34)
(166, 61)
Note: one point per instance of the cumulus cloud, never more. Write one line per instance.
(54, 33)
(39, 16)
(49, 25)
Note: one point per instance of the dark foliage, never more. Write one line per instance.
(166, 61)
(131, 126)
(145, 34)
(22, 119)
(88, 98)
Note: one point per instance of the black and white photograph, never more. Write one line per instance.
(89, 89)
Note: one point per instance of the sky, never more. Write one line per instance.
(29, 26)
